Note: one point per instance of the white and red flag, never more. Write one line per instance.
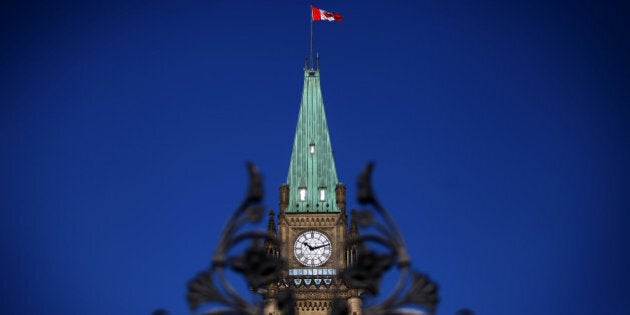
(323, 15)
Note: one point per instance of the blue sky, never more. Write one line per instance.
(499, 129)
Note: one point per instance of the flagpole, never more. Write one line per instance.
(311, 56)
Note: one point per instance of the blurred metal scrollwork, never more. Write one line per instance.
(377, 244)
(379, 248)
(254, 264)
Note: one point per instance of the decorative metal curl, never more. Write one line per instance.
(412, 288)
(255, 264)
(375, 229)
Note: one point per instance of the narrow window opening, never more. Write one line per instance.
(322, 194)
(312, 148)
(302, 194)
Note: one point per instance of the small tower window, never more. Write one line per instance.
(322, 194)
(302, 194)
(311, 148)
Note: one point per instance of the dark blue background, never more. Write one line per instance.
(499, 129)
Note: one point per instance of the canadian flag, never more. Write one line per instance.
(319, 15)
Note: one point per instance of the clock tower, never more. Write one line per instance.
(312, 221)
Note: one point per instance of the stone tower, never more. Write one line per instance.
(312, 221)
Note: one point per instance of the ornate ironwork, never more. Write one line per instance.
(376, 240)
(377, 229)
(255, 265)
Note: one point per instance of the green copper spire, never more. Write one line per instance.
(312, 175)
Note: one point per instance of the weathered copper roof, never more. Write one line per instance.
(312, 165)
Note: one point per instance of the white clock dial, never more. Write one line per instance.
(312, 248)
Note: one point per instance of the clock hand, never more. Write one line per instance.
(320, 246)
(309, 246)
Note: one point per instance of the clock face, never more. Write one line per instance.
(312, 248)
